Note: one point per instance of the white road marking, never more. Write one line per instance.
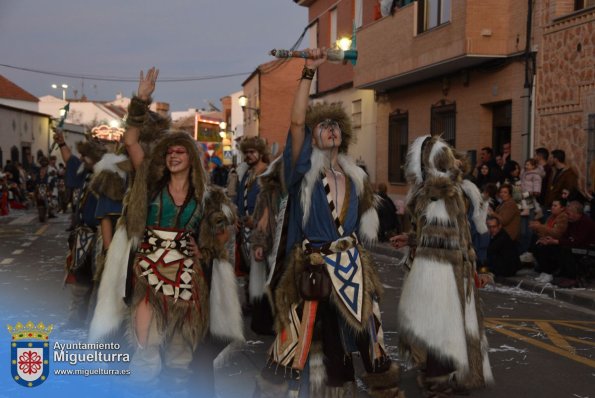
(26, 244)
(6, 261)
(17, 251)
(25, 219)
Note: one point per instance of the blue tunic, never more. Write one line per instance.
(107, 207)
(253, 192)
(72, 179)
(320, 227)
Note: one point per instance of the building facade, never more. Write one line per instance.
(565, 91)
(459, 68)
(270, 89)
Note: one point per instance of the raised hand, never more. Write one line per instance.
(59, 136)
(317, 56)
(146, 84)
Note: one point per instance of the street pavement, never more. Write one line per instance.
(540, 346)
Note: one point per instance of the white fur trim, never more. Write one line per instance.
(317, 372)
(258, 276)
(480, 206)
(438, 147)
(111, 310)
(241, 170)
(413, 165)
(471, 323)
(225, 312)
(229, 213)
(436, 213)
(430, 310)
(109, 162)
(271, 168)
(318, 161)
(368, 226)
(487, 368)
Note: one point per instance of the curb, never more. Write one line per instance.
(581, 298)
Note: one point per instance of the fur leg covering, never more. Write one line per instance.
(317, 369)
(226, 313)
(384, 384)
(111, 309)
(258, 276)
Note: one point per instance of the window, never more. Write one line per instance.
(443, 121)
(432, 13)
(580, 4)
(333, 27)
(591, 150)
(356, 114)
(398, 141)
(358, 6)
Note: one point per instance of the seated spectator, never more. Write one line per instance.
(508, 212)
(554, 255)
(502, 255)
(387, 214)
(555, 226)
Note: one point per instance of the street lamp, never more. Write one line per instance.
(64, 87)
(222, 133)
(243, 101)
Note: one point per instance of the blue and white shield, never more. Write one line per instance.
(30, 362)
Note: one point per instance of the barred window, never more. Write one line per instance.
(443, 121)
(398, 145)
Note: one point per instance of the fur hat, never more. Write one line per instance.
(256, 143)
(431, 156)
(158, 170)
(153, 127)
(91, 148)
(321, 111)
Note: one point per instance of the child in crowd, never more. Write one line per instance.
(531, 178)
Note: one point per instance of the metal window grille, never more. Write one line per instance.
(443, 121)
(398, 145)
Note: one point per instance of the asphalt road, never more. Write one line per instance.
(540, 347)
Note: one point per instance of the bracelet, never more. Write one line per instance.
(137, 110)
(308, 73)
(60, 145)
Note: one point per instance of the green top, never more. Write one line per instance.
(164, 213)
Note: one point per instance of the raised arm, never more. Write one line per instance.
(300, 102)
(64, 149)
(137, 111)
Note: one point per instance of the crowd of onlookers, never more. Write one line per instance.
(538, 217)
(19, 185)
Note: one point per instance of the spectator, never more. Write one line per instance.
(530, 209)
(486, 175)
(508, 213)
(506, 153)
(489, 193)
(502, 257)
(512, 176)
(555, 226)
(555, 257)
(387, 215)
(545, 168)
(486, 156)
(563, 177)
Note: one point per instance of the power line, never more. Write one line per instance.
(123, 79)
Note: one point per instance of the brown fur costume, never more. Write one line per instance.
(321, 111)
(444, 266)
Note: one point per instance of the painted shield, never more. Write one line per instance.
(30, 362)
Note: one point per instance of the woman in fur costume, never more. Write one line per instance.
(331, 207)
(439, 311)
(181, 290)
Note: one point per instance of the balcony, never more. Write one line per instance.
(394, 53)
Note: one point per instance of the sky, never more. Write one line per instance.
(118, 38)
